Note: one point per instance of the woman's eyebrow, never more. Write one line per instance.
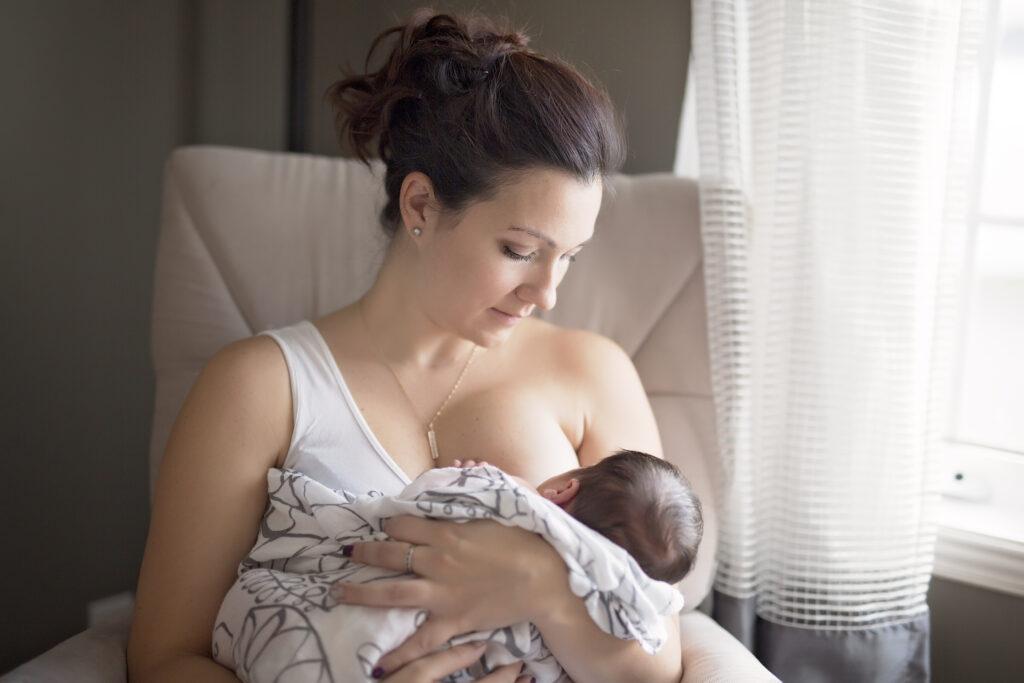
(540, 235)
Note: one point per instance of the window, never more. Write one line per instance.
(990, 407)
(981, 536)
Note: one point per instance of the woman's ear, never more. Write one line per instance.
(564, 493)
(415, 201)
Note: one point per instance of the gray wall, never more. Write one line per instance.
(96, 95)
(90, 106)
(976, 634)
(239, 72)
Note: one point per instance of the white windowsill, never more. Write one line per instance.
(981, 524)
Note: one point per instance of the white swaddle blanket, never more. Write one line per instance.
(278, 623)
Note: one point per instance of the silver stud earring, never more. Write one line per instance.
(417, 231)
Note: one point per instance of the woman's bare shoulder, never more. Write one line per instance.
(259, 355)
(579, 350)
(256, 365)
(585, 360)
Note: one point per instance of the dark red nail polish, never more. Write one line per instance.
(377, 671)
(346, 550)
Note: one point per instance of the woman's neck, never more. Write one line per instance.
(401, 330)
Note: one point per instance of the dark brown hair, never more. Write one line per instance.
(468, 104)
(645, 505)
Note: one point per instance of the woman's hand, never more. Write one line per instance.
(469, 463)
(475, 576)
(436, 666)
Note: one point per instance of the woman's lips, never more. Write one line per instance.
(505, 317)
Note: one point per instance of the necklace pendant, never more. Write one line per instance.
(433, 444)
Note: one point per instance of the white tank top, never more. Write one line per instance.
(331, 441)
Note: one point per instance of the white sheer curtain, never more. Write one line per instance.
(832, 162)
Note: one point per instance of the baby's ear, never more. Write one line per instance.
(564, 494)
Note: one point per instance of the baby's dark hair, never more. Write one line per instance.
(645, 505)
(466, 102)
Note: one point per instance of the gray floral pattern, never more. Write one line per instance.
(277, 622)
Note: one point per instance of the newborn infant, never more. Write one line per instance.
(638, 501)
(626, 528)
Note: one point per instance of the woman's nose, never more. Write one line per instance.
(541, 292)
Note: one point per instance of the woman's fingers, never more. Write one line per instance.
(434, 632)
(404, 593)
(392, 555)
(468, 463)
(416, 530)
(437, 665)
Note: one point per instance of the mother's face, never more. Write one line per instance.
(506, 255)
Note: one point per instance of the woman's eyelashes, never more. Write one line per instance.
(516, 256)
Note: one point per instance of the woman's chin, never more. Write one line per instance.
(491, 339)
(490, 336)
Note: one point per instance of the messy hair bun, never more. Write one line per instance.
(470, 105)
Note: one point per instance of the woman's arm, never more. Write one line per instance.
(209, 497)
(618, 415)
(589, 654)
(185, 667)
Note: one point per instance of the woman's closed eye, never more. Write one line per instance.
(516, 256)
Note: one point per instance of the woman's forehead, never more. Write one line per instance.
(543, 236)
(547, 205)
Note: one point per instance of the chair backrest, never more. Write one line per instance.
(251, 240)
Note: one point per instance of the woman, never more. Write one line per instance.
(495, 163)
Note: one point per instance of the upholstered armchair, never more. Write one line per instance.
(251, 240)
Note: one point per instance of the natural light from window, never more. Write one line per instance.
(990, 407)
(981, 531)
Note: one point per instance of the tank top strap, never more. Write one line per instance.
(331, 441)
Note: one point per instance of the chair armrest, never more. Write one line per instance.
(96, 655)
(712, 655)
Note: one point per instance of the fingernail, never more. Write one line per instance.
(337, 590)
(377, 672)
(346, 550)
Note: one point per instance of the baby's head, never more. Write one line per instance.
(639, 502)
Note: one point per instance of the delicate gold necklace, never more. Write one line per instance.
(431, 437)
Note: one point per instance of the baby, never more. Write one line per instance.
(639, 502)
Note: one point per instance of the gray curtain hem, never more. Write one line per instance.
(892, 653)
